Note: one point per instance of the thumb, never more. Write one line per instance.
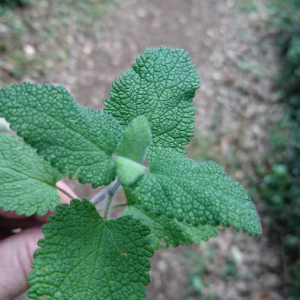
(16, 255)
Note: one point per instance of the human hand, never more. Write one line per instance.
(17, 248)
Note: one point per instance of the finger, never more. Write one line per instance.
(11, 214)
(10, 224)
(64, 199)
(16, 254)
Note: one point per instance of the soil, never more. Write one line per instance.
(236, 62)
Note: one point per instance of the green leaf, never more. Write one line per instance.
(27, 182)
(160, 86)
(136, 140)
(197, 193)
(76, 140)
(165, 231)
(128, 171)
(85, 257)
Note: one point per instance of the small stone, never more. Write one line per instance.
(210, 32)
(141, 13)
(236, 255)
(29, 50)
(87, 50)
(217, 76)
(183, 19)
(162, 266)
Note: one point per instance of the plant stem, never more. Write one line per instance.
(65, 192)
(120, 205)
(108, 205)
(103, 194)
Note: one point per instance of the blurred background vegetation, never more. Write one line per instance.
(248, 115)
(280, 183)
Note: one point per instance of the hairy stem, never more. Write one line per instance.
(103, 194)
(120, 205)
(65, 192)
(108, 205)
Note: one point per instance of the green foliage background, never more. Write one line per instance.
(12, 3)
(280, 187)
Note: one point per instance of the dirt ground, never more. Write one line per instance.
(235, 109)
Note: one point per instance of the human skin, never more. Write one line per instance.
(16, 249)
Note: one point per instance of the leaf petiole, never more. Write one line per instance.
(120, 205)
(103, 194)
(65, 192)
(108, 205)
